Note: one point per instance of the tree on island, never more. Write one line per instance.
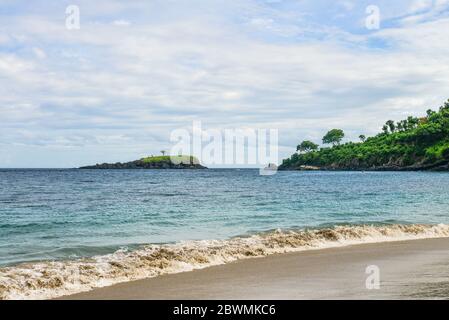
(404, 125)
(362, 137)
(306, 146)
(390, 124)
(412, 122)
(163, 152)
(334, 136)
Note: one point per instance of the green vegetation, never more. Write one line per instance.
(176, 159)
(307, 146)
(155, 159)
(334, 136)
(153, 162)
(413, 143)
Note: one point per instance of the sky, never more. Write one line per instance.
(134, 71)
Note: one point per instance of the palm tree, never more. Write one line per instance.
(163, 152)
(362, 137)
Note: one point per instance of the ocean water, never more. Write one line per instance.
(65, 231)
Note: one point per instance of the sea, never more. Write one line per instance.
(64, 231)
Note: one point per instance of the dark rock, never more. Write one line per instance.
(139, 164)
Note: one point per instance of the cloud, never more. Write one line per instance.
(39, 53)
(121, 23)
(347, 5)
(420, 5)
(121, 90)
(424, 10)
(11, 65)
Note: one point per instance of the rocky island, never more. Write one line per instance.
(408, 145)
(153, 162)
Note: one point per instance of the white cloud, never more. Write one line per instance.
(124, 89)
(420, 5)
(347, 5)
(424, 10)
(121, 23)
(11, 65)
(39, 53)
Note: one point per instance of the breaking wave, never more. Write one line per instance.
(50, 279)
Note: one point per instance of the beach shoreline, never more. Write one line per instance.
(413, 269)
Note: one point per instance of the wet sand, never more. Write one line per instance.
(417, 269)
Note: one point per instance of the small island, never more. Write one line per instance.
(410, 145)
(154, 162)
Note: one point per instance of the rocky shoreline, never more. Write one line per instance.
(141, 164)
(442, 166)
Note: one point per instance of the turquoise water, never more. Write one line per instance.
(66, 214)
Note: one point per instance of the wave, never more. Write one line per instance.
(50, 279)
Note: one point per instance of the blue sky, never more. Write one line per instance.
(136, 70)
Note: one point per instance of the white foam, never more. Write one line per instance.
(52, 279)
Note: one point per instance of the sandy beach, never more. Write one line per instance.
(417, 269)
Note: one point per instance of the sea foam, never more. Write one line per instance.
(50, 279)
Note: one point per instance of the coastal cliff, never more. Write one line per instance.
(409, 145)
(158, 162)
